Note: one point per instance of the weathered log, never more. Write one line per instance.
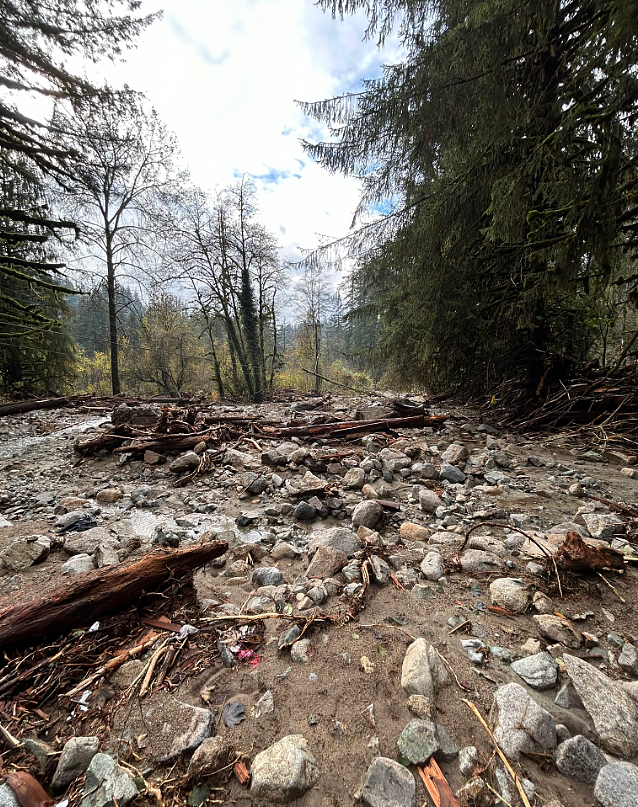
(577, 556)
(19, 407)
(103, 591)
(347, 428)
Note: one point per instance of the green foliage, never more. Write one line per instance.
(506, 143)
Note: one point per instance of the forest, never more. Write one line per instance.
(495, 238)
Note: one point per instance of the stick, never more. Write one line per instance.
(336, 383)
(161, 650)
(504, 759)
(613, 588)
(110, 666)
(9, 739)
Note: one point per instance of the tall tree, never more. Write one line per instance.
(313, 300)
(37, 39)
(505, 141)
(124, 169)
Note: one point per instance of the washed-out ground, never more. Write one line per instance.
(345, 685)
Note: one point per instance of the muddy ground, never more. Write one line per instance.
(541, 485)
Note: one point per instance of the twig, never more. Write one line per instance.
(504, 759)
(393, 627)
(161, 650)
(464, 687)
(110, 666)
(613, 588)
(9, 739)
(505, 527)
(458, 627)
(498, 795)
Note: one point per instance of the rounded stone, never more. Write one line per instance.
(367, 514)
(617, 785)
(509, 593)
(284, 771)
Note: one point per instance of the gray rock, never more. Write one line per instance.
(468, 759)
(418, 742)
(284, 771)
(267, 576)
(304, 511)
(260, 605)
(41, 751)
(455, 453)
(451, 473)
(603, 525)
(567, 697)
(7, 797)
(476, 560)
(108, 785)
(617, 785)
(628, 659)
(185, 463)
(557, 630)
(199, 729)
(105, 555)
(128, 673)
(393, 460)
(211, 756)
(337, 537)
(521, 724)
(78, 564)
(509, 593)
(429, 500)
(580, 759)
(300, 651)
(326, 561)
(432, 566)
(355, 478)
(74, 760)
(25, 552)
(539, 671)
(422, 671)
(380, 569)
(257, 486)
(424, 470)
(614, 713)
(388, 784)
(86, 543)
(367, 514)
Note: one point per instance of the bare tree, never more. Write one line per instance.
(313, 301)
(125, 168)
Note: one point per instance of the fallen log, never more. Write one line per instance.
(346, 428)
(100, 592)
(19, 407)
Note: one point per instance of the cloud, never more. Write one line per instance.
(225, 77)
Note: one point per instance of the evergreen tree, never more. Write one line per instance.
(37, 38)
(506, 143)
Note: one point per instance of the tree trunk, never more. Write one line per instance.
(110, 286)
(103, 591)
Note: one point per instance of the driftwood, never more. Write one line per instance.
(19, 407)
(100, 592)
(577, 556)
(348, 428)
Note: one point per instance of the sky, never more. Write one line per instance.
(224, 75)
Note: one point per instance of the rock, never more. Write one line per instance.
(455, 453)
(425, 470)
(509, 593)
(284, 771)
(304, 511)
(380, 569)
(557, 629)
(521, 724)
(40, 750)
(567, 697)
(7, 797)
(211, 756)
(468, 760)
(257, 486)
(603, 525)
(199, 729)
(451, 473)
(614, 713)
(108, 785)
(282, 549)
(238, 459)
(446, 539)
(337, 537)
(74, 760)
(367, 514)
(393, 460)
(477, 560)
(78, 564)
(355, 478)
(388, 784)
(413, 532)
(421, 706)
(617, 785)
(105, 555)
(429, 500)
(474, 793)
(109, 495)
(25, 552)
(579, 759)
(628, 659)
(432, 566)
(86, 543)
(542, 603)
(326, 561)
(153, 458)
(185, 463)
(422, 739)
(264, 706)
(301, 651)
(539, 671)
(422, 671)
(267, 576)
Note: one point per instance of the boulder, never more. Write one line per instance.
(521, 724)
(388, 784)
(422, 671)
(579, 759)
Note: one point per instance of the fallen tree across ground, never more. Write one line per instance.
(103, 591)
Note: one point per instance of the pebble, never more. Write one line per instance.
(557, 629)
(628, 659)
(429, 501)
(108, 785)
(413, 532)
(579, 759)
(509, 593)
(432, 566)
(367, 514)
(387, 784)
(185, 463)
(339, 538)
(422, 671)
(78, 564)
(539, 671)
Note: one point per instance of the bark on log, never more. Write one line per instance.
(94, 594)
(347, 428)
(18, 407)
